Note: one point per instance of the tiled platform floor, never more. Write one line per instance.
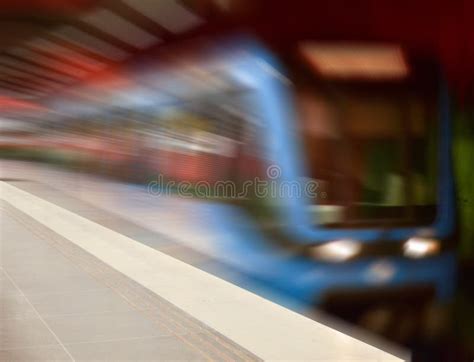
(57, 302)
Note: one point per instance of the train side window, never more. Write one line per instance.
(209, 139)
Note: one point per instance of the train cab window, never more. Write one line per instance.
(371, 146)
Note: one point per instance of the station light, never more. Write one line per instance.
(364, 61)
(418, 247)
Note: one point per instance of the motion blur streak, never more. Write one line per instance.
(238, 108)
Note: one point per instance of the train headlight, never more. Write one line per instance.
(418, 247)
(337, 250)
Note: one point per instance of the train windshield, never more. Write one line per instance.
(371, 146)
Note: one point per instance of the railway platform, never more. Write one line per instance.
(79, 282)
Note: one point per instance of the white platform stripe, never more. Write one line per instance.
(264, 328)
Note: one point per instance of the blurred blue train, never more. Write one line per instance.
(327, 171)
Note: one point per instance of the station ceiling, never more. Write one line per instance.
(50, 45)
